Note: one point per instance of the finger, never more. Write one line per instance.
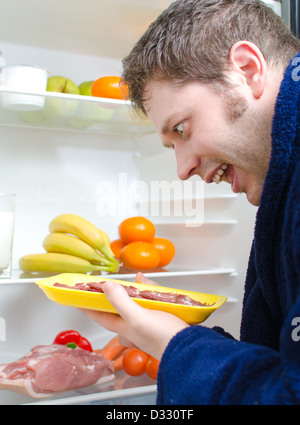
(140, 278)
(121, 301)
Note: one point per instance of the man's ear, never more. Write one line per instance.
(247, 61)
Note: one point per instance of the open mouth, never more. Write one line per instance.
(220, 174)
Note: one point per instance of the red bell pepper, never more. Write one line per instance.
(72, 339)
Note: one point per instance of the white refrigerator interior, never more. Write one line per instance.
(104, 170)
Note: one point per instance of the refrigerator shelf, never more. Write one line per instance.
(20, 277)
(146, 394)
(123, 387)
(196, 224)
(195, 229)
(72, 113)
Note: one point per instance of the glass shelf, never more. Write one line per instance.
(122, 387)
(194, 229)
(20, 277)
(61, 111)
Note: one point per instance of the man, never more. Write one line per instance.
(219, 82)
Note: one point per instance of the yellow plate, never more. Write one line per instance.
(98, 301)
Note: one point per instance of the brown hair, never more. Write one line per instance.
(191, 40)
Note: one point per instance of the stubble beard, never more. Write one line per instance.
(251, 132)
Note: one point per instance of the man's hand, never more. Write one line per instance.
(149, 330)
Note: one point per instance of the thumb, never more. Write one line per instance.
(121, 301)
(140, 278)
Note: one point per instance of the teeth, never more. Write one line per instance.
(219, 176)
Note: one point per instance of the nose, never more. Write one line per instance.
(187, 164)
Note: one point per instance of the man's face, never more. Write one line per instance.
(219, 137)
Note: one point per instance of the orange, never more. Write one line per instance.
(116, 247)
(152, 367)
(136, 229)
(109, 87)
(140, 256)
(134, 361)
(166, 250)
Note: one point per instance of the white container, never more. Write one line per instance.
(24, 78)
(7, 219)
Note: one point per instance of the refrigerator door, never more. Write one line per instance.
(275, 5)
(291, 15)
(91, 155)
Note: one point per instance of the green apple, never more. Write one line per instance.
(62, 85)
(85, 88)
(61, 107)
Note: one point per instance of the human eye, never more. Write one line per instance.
(179, 129)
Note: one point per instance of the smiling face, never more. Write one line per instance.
(213, 135)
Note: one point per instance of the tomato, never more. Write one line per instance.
(136, 229)
(152, 367)
(140, 256)
(109, 87)
(116, 247)
(166, 250)
(134, 362)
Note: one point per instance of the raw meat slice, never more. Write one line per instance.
(98, 287)
(50, 369)
(168, 297)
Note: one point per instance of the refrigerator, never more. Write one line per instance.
(105, 171)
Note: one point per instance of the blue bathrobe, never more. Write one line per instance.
(208, 366)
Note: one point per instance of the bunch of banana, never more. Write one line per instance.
(73, 245)
(58, 263)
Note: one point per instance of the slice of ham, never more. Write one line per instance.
(50, 369)
(168, 297)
